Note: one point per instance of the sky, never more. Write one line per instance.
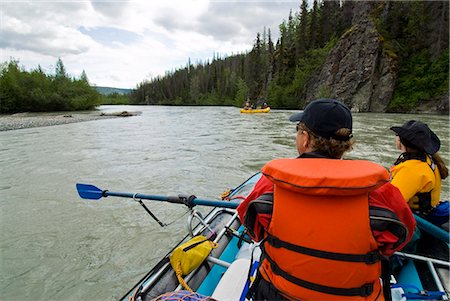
(121, 43)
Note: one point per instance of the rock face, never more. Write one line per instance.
(357, 71)
(438, 105)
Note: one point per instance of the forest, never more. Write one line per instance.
(413, 34)
(275, 72)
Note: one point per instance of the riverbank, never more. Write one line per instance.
(31, 120)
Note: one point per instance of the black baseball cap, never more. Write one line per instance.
(324, 117)
(418, 135)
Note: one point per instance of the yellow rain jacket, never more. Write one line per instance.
(414, 176)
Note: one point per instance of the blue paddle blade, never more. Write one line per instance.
(90, 192)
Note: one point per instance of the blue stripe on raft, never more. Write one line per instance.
(409, 275)
(432, 229)
(212, 279)
(247, 284)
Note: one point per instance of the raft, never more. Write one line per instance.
(224, 275)
(252, 111)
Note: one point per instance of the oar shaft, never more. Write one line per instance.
(173, 199)
(213, 203)
(143, 196)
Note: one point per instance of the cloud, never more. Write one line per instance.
(109, 9)
(241, 21)
(110, 36)
(122, 43)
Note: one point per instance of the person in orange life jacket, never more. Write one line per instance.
(324, 134)
(419, 170)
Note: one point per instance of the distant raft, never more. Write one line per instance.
(251, 111)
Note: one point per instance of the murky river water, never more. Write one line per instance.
(56, 246)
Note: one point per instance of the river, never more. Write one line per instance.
(56, 246)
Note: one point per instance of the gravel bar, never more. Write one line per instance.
(31, 120)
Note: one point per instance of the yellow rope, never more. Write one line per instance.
(179, 274)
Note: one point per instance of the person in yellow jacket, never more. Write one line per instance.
(419, 170)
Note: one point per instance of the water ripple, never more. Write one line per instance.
(57, 246)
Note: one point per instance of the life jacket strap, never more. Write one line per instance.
(363, 291)
(368, 258)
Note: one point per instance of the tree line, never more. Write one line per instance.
(414, 32)
(36, 91)
(269, 71)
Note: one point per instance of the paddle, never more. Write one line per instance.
(92, 192)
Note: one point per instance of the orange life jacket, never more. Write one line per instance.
(319, 243)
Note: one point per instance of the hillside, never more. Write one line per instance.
(109, 90)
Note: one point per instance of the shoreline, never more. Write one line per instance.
(32, 120)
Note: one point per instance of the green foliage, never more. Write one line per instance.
(35, 91)
(242, 93)
(115, 99)
(420, 79)
(287, 93)
(278, 96)
(210, 99)
(415, 35)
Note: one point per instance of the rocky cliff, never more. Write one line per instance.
(357, 71)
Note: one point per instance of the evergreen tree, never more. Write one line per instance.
(438, 33)
(345, 16)
(328, 21)
(280, 54)
(301, 36)
(314, 26)
(60, 70)
(83, 77)
(270, 63)
(254, 68)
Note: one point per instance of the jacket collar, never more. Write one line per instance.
(314, 155)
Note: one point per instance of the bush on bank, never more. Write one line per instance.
(36, 91)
